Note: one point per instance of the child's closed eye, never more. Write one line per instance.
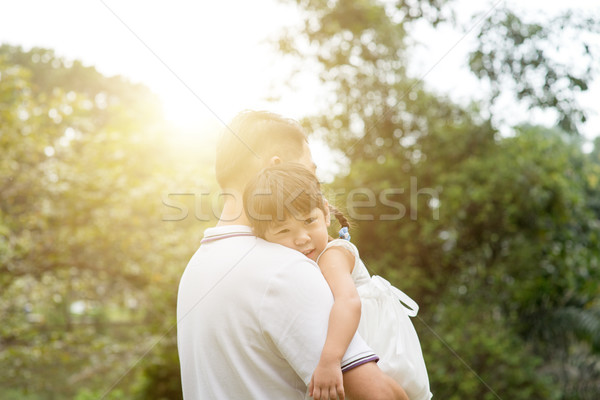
(309, 220)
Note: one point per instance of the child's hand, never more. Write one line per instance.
(327, 382)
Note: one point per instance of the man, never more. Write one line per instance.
(252, 315)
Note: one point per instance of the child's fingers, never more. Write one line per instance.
(333, 393)
(317, 393)
(340, 392)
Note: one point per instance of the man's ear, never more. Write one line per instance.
(326, 212)
(274, 161)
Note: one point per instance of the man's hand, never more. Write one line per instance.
(327, 381)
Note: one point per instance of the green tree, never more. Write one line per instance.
(525, 239)
(521, 57)
(89, 266)
(495, 237)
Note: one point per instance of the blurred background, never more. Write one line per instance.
(470, 128)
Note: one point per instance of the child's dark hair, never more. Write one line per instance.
(339, 216)
(282, 191)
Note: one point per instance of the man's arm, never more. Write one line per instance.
(367, 381)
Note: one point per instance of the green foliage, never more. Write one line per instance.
(160, 379)
(474, 354)
(523, 57)
(495, 237)
(88, 265)
(86, 394)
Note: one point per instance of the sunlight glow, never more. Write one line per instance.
(209, 60)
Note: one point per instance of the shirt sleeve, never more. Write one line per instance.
(294, 315)
(345, 244)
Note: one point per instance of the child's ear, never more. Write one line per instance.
(326, 212)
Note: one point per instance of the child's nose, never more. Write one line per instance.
(302, 238)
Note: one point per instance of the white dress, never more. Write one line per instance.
(386, 327)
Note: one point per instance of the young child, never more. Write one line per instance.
(285, 206)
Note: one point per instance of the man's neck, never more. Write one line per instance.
(233, 213)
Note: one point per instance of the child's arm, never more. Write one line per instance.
(336, 264)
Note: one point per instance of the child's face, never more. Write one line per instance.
(307, 234)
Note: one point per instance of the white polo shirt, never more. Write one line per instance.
(252, 319)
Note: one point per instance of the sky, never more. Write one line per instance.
(208, 60)
(202, 57)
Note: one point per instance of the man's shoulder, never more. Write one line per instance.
(274, 247)
(250, 251)
(278, 255)
(235, 237)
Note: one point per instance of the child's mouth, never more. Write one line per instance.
(309, 253)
